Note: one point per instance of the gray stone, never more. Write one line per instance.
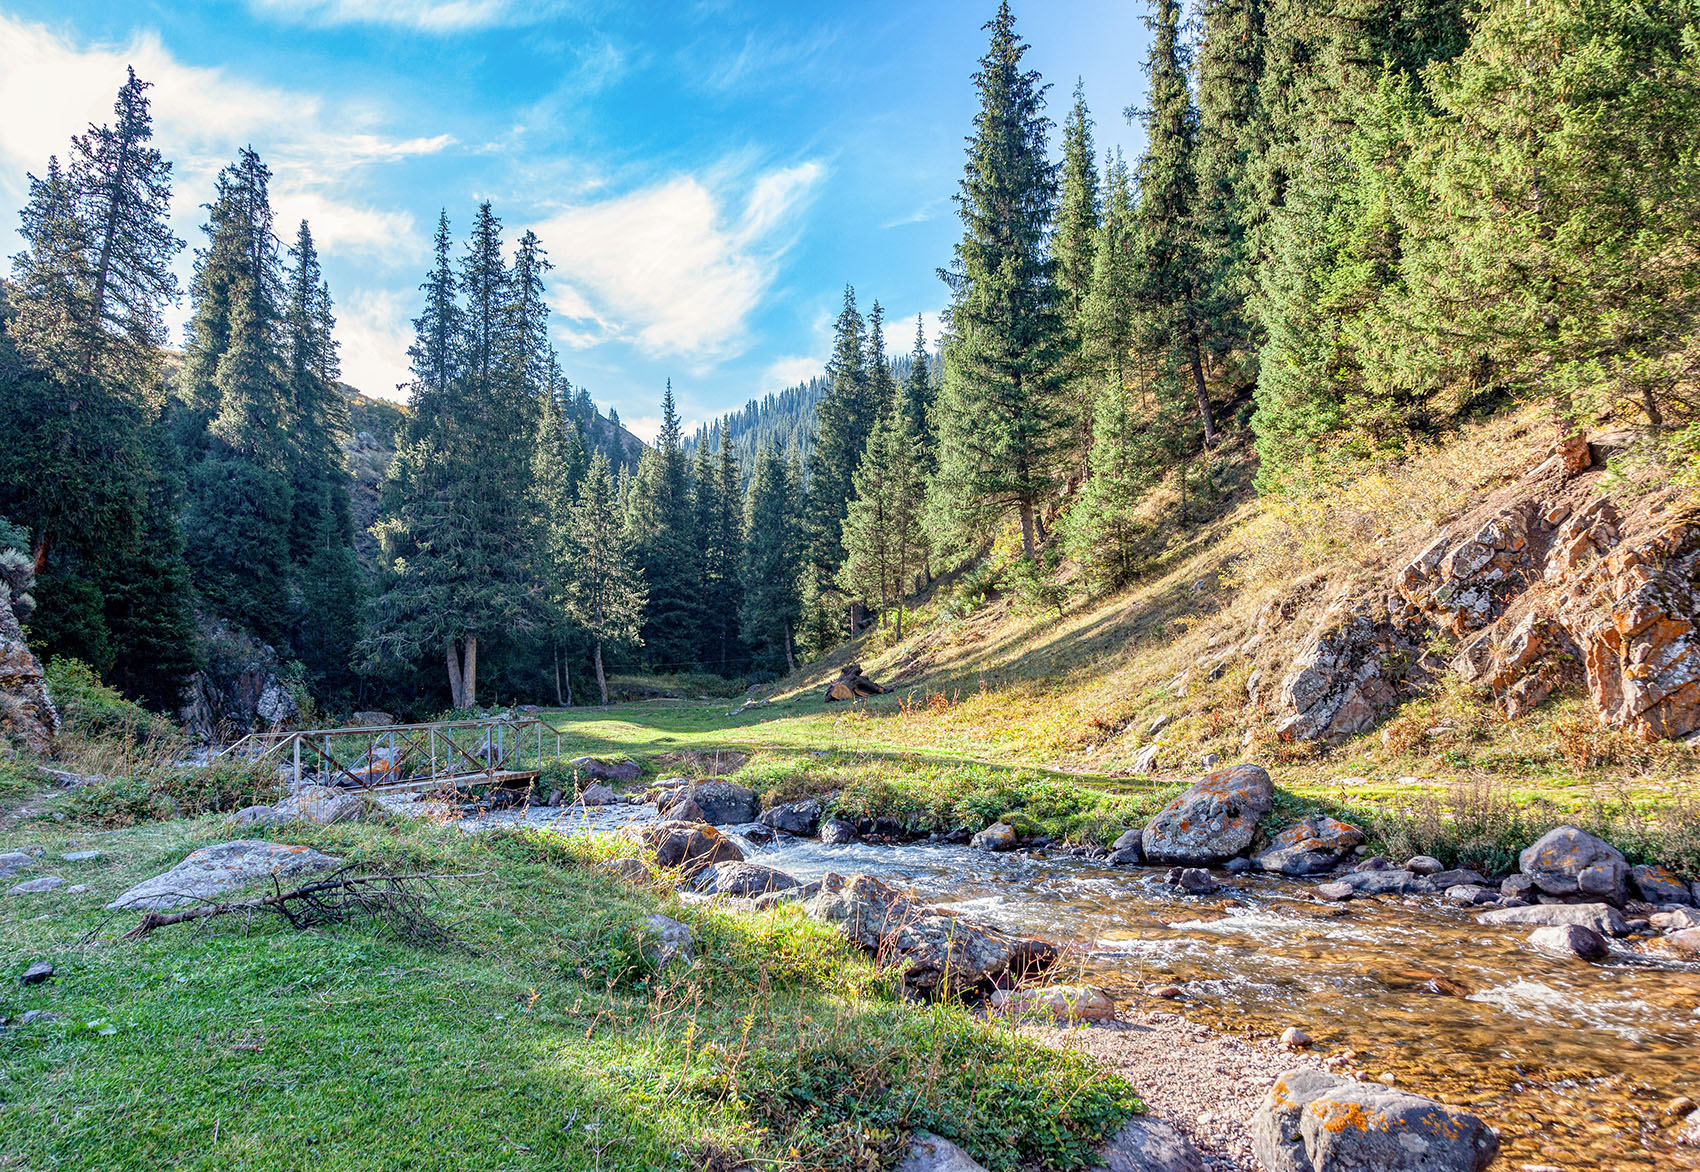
(1658, 885)
(1145, 1144)
(1192, 880)
(836, 832)
(1237, 866)
(14, 861)
(213, 870)
(941, 953)
(667, 940)
(599, 770)
(1130, 857)
(1602, 918)
(630, 869)
(1570, 940)
(38, 972)
(252, 816)
(1335, 892)
(81, 856)
(1516, 887)
(1388, 882)
(1675, 920)
(1213, 820)
(1374, 863)
(1424, 865)
(321, 805)
(928, 1153)
(999, 836)
(1469, 895)
(1311, 1121)
(1461, 876)
(799, 818)
(759, 835)
(1558, 858)
(597, 794)
(36, 1017)
(742, 879)
(1130, 840)
(1310, 846)
(36, 886)
(721, 802)
(689, 846)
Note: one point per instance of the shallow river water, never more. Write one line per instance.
(1573, 1062)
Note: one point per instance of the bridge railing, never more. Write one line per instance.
(444, 751)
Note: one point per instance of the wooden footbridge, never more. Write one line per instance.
(399, 758)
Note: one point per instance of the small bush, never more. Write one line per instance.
(218, 788)
(119, 801)
(91, 708)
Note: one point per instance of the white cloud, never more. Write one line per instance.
(431, 16)
(667, 267)
(900, 331)
(645, 427)
(789, 371)
(202, 116)
(374, 332)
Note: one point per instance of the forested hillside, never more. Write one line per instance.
(1348, 235)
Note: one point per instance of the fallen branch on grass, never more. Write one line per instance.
(395, 901)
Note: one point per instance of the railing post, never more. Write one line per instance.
(297, 739)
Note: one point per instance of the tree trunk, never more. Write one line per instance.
(790, 655)
(567, 670)
(601, 679)
(457, 684)
(855, 618)
(469, 670)
(1027, 529)
(559, 703)
(1199, 390)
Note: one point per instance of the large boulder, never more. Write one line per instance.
(1310, 846)
(214, 870)
(1145, 1144)
(599, 770)
(930, 1153)
(799, 818)
(28, 720)
(689, 846)
(1568, 861)
(837, 832)
(320, 805)
(1213, 820)
(1311, 1121)
(1657, 885)
(1602, 918)
(721, 802)
(742, 879)
(941, 953)
(999, 836)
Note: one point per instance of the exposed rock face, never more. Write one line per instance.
(1568, 861)
(1657, 885)
(214, 870)
(240, 689)
(941, 953)
(721, 802)
(1212, 821)
(690, 846)
(28, 719)
(1548, 576)
(1599, 917)
(1316, 1122)
(929, 1153)
(1310, 846)
(799, 818)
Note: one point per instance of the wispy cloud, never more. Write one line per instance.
(374, 330)
(790, 370)
(671, 267)
(760, 60)
(429, 16)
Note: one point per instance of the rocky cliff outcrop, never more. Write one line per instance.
(239, 690)
(28, 719)
(1548, 581)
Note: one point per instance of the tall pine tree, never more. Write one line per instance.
(605, 591)
(772, 602)
(660, 529)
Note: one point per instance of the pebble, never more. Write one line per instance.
(1681, 1105)
(1293, 1038)
(1386, 1077)
(38, 972)
(1334, 891)
(80, 856)
(1170, 992)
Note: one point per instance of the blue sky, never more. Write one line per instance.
(705, 176)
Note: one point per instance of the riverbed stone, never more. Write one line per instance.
(597, 794)
(1469, 895)
(742, 879)
(1192, 880)
(930, 1153)
(1657, 885)
(213, 870)
(941, 952)
(799, 818)
(1393, 881)
(1311, 1121)
(1310, 846)
(1557, 860)
(1516, 886)
(1602, 918)
(1674, 920)
(1237, 866)
(1336, 892)
(1057, 1002)
(999, 836)
(1424, 865)
(1456, 877)
(836, 832)
(1684, 943)
(321, 805)
(599, 770)
(1570, 940)
(689, 846)
(1213, 820)
(1146, 1144)
(721, 802)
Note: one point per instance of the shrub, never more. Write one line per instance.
(155, 792)
(91, 708)
(119, 801)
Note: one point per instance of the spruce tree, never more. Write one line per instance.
(772, 602)
(659, 526)
(1003, 424)
(605, 593)
(1228, 70)
(882, 388)
(843, 420)
(554, 488)
(885, 543)
(918, 396)
(728, 596)
(1074, 245)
